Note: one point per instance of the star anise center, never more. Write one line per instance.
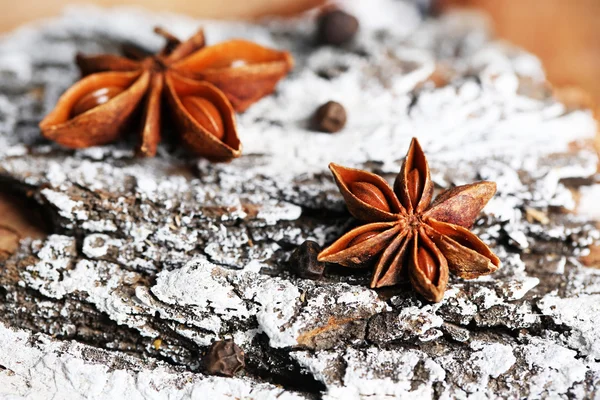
(414, 221)
(155, 64)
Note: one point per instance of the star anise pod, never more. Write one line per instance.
(198, 87)
(407, 232)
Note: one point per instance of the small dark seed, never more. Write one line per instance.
(224, 358)
(330, 117)
(336, 27)
(304, 263)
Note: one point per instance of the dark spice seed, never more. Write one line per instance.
(224, 358)
(330, 117)
(303, 261)
(336, 27)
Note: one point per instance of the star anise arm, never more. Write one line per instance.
(184, 49)
(172, 41)
(390, 267)
(368, 196)
(150, 134)
(468, 257)
(104, 62)
(413, 185)
(462, 204)
(360, 245)
(243, 70)
(204, 118)
(134, 52)
(428, 268)
(96, 109)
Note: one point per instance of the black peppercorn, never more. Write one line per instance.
(336, 27)
(224, 358)
(303, 261)
(330, 117)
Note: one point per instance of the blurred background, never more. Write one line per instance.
(565, 34)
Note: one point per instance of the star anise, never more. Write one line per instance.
(199, 88)
(407, 232)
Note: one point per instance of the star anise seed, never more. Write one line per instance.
(199, 87)
(405, 232)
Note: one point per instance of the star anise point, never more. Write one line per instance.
(405, 232)
(200, 87)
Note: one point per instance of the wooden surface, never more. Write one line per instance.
(15, 221)
(146, 255)
(564, 34)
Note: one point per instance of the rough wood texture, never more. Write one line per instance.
(186, 252)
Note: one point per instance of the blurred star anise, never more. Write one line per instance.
(198, 87)
(407, 232)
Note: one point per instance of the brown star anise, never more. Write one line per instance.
(409, 233)
(199, 88)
